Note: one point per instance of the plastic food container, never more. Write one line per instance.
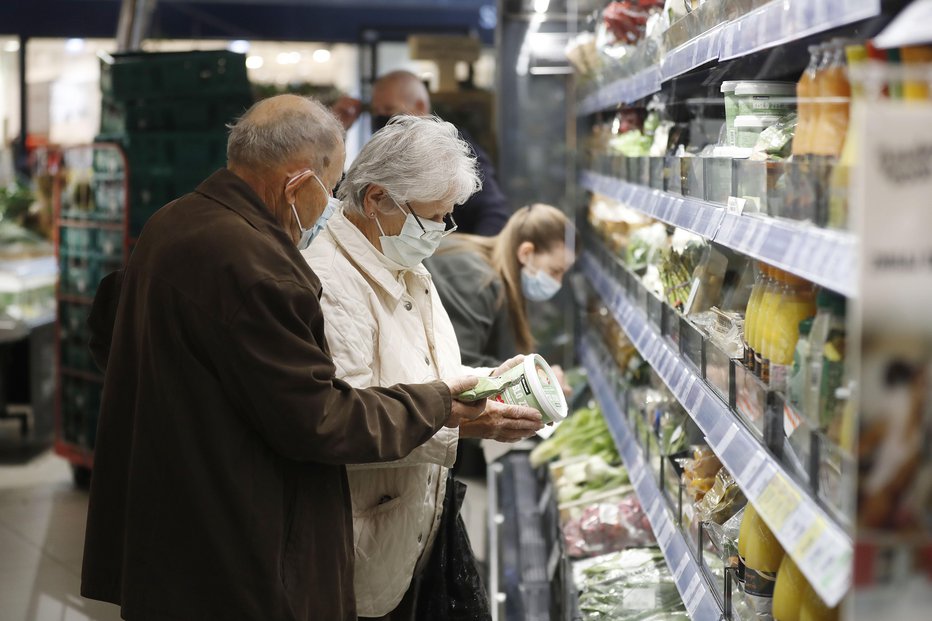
(748, 129)
(765, 98)
(731, 111)
(531, 383)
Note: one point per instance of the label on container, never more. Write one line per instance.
(779, 375)
(759, 583)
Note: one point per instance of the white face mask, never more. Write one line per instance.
(417, 240)
(539, 286)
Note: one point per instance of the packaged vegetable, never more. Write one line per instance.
(607, 527)
(722, 501)
(699, 472)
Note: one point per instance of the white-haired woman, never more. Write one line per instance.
(385, 324)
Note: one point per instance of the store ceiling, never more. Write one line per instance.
(285, 20)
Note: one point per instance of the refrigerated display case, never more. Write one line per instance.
(723, 241)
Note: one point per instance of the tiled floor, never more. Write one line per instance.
(42, 520)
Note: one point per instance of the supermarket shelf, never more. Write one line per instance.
(827, 258)
(692, 54)
(820, 547)
(91, 224)
(784, 21)
(625, 90)
(777, 23)
(695, 590)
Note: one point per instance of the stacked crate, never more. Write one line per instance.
(166, 116)
(169, 112)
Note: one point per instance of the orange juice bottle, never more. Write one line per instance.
(840, 179)
(834, 93)
(812, 608)
(788, 591)
(913, 89)
(797, 302)
(767, 288)
(765, 323)
(805, 106)
(750, 313)
(762, 556)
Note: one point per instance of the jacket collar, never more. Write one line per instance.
(383, 271)
(226, 188)
(232, 192)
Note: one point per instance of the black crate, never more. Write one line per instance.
(141, 75)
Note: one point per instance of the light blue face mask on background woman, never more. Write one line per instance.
(539, 287)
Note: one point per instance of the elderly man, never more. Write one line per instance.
(401, 92)
(219, 490)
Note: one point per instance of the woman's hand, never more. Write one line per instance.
(508, 365)
(561, 378)
(461, 410)
(503, 422)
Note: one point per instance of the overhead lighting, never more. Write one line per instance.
(254, 62)
(321, 56)
(541, 6)
(74, 46)
(288, 58)
(239, 46)
(11, 46)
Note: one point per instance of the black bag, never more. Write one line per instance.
(450, 587)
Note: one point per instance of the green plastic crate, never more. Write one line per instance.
(134, 76)
(172, 152)
(150, 191)
(176, 114)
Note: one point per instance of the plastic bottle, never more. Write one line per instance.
(751, 313)
(765, 324)
(838, 183)
(834, 93)
(812, 608)
(797, 302)
(798, 381)
(830, 313)
(832, 373)
(762, 557)
(788, 591)
(916, 90)
(805, 106)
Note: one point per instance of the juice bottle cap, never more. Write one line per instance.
(805, 326)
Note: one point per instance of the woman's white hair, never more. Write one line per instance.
(421, 159)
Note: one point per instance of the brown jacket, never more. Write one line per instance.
(218, 490)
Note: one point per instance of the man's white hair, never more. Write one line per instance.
(304, 129)
(421, 159)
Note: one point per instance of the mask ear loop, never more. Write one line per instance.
(291, 183)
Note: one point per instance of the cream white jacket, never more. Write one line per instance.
(385, 325)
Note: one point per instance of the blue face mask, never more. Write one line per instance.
(540, 286)
(333, 204)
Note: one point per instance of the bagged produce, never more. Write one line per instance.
(607, 527)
